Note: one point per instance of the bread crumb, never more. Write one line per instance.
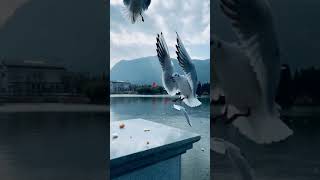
(122, 125)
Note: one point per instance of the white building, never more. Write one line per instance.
(120, 87)
(30, 77)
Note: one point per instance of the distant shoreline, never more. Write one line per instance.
(150, 96)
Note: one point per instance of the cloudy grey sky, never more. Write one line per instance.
(190, 18)
(8, 7)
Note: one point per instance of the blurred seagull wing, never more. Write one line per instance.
(253, 23)
(146, 4)
(126, 2)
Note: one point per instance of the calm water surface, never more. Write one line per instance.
(195, 163)
(52, 146)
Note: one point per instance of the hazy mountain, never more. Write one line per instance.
(73, 32)
(147, 70)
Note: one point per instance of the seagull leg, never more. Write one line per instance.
(175, 100)
(182, 99)
(235, 116)
(221, 116)
(142, 17)
(178, 99)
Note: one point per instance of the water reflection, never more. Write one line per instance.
(53, 146)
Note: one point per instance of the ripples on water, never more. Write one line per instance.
(195, 163)
(53, 146)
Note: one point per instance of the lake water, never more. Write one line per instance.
(53, 146)
(297, 158)
(195, 163)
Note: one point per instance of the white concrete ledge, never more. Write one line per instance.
(143, 147)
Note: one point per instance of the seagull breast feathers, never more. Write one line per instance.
(183, 86)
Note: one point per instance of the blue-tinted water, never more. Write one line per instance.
(52, 146)
(195, 163)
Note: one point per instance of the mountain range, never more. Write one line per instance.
(147, 70)
(71, 32)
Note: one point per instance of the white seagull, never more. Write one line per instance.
(173, 82)
(235, 155)
(183, 110)
(135, 8)
(247, 73)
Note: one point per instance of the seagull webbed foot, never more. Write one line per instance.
(230, 120)
(235, 116)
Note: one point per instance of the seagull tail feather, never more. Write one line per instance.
(192, 102)
(263, 128)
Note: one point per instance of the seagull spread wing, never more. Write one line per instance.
(186, 64)
(253, 23)
(185, 113)
(169, 82)
(146, 4)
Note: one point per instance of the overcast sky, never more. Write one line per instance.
(8, 8)
(190, 18)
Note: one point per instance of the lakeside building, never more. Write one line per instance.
(30, 77)
(120, 87)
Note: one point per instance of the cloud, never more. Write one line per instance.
(191, 19)
(116, 2)
(126, 38)
(206, 12)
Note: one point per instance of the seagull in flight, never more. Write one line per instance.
(135, 8)
(247, 72)
(173, 82)
(235, 155)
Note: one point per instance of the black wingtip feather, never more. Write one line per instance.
(229, 14)
(229, 5)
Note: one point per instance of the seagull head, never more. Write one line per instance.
(175, 75)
